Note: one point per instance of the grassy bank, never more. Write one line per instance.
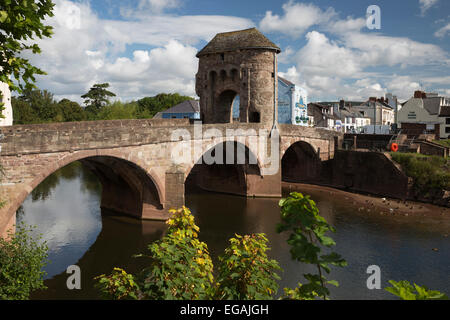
(428, 172)
(445, 143)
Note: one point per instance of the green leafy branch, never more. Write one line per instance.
(406, 291)
(300, 216)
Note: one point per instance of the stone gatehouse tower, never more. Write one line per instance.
(239, 63)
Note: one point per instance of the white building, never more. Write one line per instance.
(6, 100)
(425, 113)
(292, 103)
(379, 112)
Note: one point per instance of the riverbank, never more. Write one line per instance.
(373, 204)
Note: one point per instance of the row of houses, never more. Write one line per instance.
(423, 113)
(376, 115)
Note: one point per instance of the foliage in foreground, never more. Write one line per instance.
(22, 259)
(181, 268)
(20, 22)
(119, 285)
(300, 216)
(406, 291)
(245, 272)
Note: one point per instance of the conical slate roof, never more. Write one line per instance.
(235, 40)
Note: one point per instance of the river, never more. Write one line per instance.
(65, 209)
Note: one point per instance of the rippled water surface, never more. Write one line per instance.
(66, 210)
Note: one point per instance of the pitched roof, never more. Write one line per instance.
(432, 105)
(184, 107)
(286, 81)
(235, 40)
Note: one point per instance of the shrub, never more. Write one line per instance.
(181, 268)
(118, 286)
(245, 272)
(428, 172)
(21, 261)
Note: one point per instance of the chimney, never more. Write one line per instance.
(420, 95)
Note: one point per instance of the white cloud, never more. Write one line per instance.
(286, 55)
(297, 18)
(403, 86)
(320, 56)
(379, 50)
(344, 26)
(442, 32)
(426, 4)
(159, 5)
(95, 51)
(339, 67)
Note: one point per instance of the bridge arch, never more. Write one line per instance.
(237, 174)
(300, 163)
(127, 187)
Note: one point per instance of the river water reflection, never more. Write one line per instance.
(65, 209)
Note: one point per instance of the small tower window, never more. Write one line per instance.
(222, 56)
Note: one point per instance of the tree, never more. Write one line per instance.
(22, 112)
(71, 111)
(149, 106)
(36, 106)
(20, 22)
(118, 110)
(97, 97)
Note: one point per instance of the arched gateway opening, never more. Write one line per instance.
(224, 106)
(300, 163)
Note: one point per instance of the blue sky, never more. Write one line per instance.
(144, 47)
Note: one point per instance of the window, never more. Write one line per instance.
(254, 117)
(447, 130)
(447, 121)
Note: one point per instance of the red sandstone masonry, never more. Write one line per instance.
(30, 153)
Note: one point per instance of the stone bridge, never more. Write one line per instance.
(144, 167)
